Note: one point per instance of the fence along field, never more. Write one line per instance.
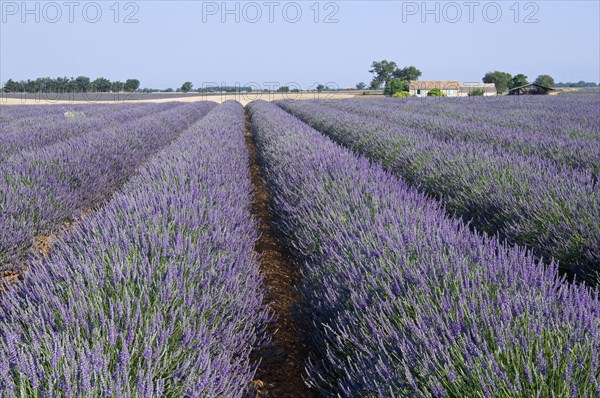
(158, 290)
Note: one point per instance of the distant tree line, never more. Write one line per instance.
(505, 81)
(225, 89)
(187, 87)
(80, 84)
(580, 83)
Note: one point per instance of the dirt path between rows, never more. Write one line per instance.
(281, 372)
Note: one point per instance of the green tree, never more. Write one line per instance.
(518, 81)
(30, 86)
(82, 84)
(132, 85)
(545, 80)
(435, 92)
(409, 73)
(117, 87)
(500, 79)
(395, 85)
(383, 72)
(283, 89)
(11, 86)
(186, 87)
(361, 86)
(102, 85)
(320, 87)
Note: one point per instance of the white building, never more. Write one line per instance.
(450, 88)
(487, 88)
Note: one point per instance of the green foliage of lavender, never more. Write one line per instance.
(526, 199)
(158, 293)
(405, 301)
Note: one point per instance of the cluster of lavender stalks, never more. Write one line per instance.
(158, 292)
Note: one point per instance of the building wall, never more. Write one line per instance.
(487, 93)
(449, 93)
(463, 92)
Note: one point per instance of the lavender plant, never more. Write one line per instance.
(41, 189)
(575, 152)
(574, 116)
(406, 302)
(16, 117)
(48, 131)
(158, 293)
(525, 199)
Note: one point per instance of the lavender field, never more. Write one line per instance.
(431, 248)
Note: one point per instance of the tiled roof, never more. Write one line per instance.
(429, 84)
(478, 85)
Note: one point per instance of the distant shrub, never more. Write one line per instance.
(401, 94)
(476, 93)
(395, 85)
(435, 92)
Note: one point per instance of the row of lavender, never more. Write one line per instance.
(11, 115)
(51, 130)
(573, 116)
(157, 294)
(19, 117)
(525, 199)
(404, 301)
(41, 189)
(574, 152)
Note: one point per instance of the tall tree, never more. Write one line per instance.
(186, 87)
(383, 71)
(101, 85)
(11, 86)
(409, 73)
(545, 80)
(394, 86)
(82, 83)
(361, 86)
(132, 85)
(500, 79)
(117, 87)
(518, 81)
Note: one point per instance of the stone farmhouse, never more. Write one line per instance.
(451, 88)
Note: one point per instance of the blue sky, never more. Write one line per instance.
(283, 42)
